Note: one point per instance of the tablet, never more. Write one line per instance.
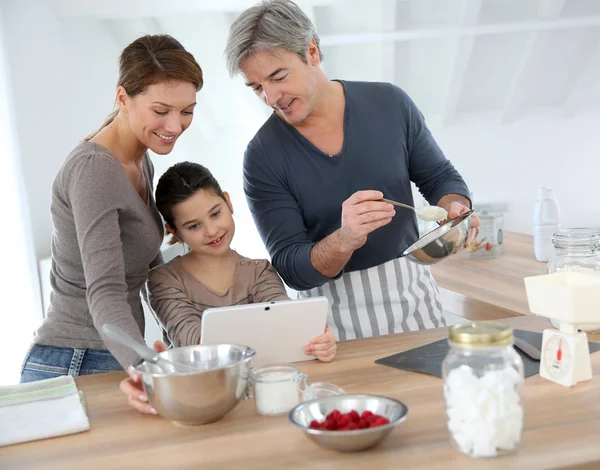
(277, 331)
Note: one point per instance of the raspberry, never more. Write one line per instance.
(380, 421)
(314, 424)
(343, 421)
(330, 425)
(351, 421)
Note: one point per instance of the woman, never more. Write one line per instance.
(107, 230)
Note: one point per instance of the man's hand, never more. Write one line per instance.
(456, 205)
(362, 213)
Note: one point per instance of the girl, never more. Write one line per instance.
(198, 213)
(107, 229)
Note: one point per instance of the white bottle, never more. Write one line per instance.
(546, 222)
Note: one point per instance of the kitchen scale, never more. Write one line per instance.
(570, 299)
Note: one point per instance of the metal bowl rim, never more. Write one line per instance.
(412, 248)
(357, 432)
(250, 355)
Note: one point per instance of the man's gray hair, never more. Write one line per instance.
(267, 25)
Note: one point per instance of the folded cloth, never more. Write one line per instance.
(42, 409)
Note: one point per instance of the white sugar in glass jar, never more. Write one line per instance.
(483, 377)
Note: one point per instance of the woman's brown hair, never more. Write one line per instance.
(153, 59)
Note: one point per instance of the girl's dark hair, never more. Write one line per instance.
(179, 183)
(154, 59)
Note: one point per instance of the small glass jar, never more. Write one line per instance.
(483, 377)
(277, 388)
(576, 249)
(321, 390)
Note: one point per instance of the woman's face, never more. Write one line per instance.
(160, 114)
(204, 222)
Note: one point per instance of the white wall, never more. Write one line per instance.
(508, 163)
(19, 295)
(63, 75)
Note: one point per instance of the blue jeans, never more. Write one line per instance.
(45, 362)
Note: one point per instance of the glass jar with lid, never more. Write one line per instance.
(483, 377)
(277, 388)
(577, 249)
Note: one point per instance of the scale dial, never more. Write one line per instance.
(558, 359)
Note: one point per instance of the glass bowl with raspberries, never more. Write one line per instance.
(348, 423)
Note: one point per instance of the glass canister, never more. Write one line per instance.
(277, 388)
(577, 249)
(483, 378)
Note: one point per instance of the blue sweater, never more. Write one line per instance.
(295, 191)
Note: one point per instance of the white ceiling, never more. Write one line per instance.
(456, 58)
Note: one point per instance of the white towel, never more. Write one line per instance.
(42, 409)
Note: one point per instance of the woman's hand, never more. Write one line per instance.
(323, 347)
(132, 387)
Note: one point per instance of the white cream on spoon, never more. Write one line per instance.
(427, 213)
(432, 213)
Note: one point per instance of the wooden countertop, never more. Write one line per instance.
(495, 281)
(562, 425)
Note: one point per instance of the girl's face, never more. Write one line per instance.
(205, 223)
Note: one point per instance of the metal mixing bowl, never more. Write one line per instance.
(201, 397)
(348, 441)
(441, 242)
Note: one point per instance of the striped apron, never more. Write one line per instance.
(390, 298)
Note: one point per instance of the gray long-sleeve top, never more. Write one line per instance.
(104, 242)
(295, 191)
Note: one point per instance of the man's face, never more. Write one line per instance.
(283, 81)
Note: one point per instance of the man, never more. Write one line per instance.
(315, 174)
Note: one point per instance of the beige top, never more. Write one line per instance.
(179, 299)
(105, 241)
